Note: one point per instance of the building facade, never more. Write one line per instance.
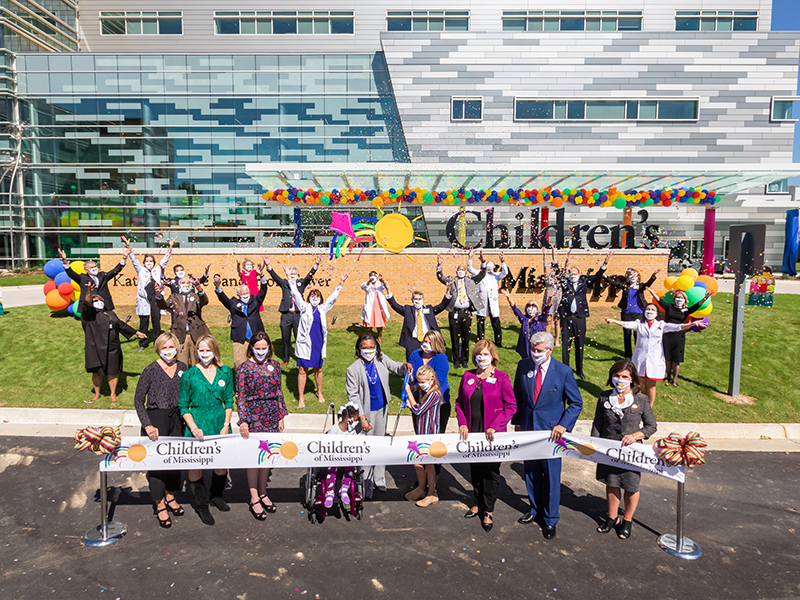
(146, 128)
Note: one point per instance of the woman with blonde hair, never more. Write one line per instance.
(206, 405)
(433, 353)
(427, 423)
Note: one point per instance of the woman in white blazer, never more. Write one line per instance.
(367, 386)
(376, 311)
(488, 289)
(149, 273)
(311, 342)
(648, 353)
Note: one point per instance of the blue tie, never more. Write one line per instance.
(249, 332)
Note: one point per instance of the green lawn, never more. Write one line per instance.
(15, 280)
(41, 364)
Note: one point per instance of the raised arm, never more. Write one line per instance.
(439, 275)
(224, 300)
(472, 270)
(310, 275)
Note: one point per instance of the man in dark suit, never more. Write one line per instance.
(187, 323)
(290, 314)
(573, 311)
(465, 298)
(174, 282)
(548, 399)
(245, 316)
(418, 318)
(97, 277)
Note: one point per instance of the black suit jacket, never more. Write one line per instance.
(103, 277)
(238, 319)
(286, 298)
(637, 417)
(410, 320)
(625, 287)
(568, 293)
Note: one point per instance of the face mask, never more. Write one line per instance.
(148, 265)
(461, 274)
(620, 384)
(180, 274)
(205, 357)
(98, 304)
(186, 288)
(539, 357)
(530, 311)
(373, 279)
(260, 355)
(679, 302)
(94, 271)
(293, 278)
(425, 385)
(168, 355)
(368, 354)
(484, 362)
(426, 347)
(248, 267)
(490, 266)
(633, 278)
(245, 299)
(574, 277)
(418, 304)
(314, 301)
(650, 315)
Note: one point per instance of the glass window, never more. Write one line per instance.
(284, 26)
(674, 110)
(342, 26)
(604, 109)
(687, 24)
(398, 24)
(576, 110)
(784, 110)
(560, 109)
(170, 27)
(778, 187)
(305, 26)
(632, 110)
(647, 109)
(571, 24)
(227, 26)
(745, 24)
(629, 24)
(514, 24)
(113, 26)
(467, 109)
(149, 26)
(456, 24)
(534, 110)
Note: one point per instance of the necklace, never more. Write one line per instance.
(369, 377)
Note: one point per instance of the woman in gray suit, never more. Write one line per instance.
(623, 414)
(367, 385)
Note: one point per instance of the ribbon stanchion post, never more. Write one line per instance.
(685, 451)
(101, 441)
(403, 398)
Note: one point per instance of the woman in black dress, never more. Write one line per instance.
(102, 350)
(675, 341)
(623, 414)
(156, 402)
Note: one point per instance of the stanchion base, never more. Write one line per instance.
(688, 550)
(94, 537)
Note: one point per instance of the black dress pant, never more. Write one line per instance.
(485, 484)
(289, 324)
(627, 334)
(497, 327)
(144, 324)
(168, 422)
(460, 320)
(573, 331)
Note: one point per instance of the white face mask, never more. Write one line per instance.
(484, 362)
(148, 265)
(98, 304)
(574, 277)
(620, 385)
(314, 301)
(244, 299)
(205, 356)
(368, 354)
(679, 302)
(490, 266)
(461, 274)
(633, 278)
(180, 274)
(260, 355)
(168, 355)
(94, 271)
(186, 288)
(539, 357)
(293, 278)
(426, 347)
(248, 267)
(425, 385)
(373, 279)
(531, 311)
(650, 315)
(418, 304)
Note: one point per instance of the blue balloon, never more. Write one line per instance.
(70, 311)
(61, 278)
(53, 268)
(700, 284)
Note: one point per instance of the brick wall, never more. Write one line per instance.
(411, 270)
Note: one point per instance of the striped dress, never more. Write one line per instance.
(427, 413)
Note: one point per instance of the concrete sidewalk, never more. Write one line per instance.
(22, 295)
(50, 422)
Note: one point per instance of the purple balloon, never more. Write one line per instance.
(701, 324)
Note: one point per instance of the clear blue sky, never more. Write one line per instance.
(786, 17)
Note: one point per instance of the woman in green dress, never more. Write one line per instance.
(206, 405)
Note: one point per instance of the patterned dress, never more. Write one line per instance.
(206, 402)
(260, 397)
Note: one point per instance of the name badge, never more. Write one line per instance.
(270, 368)
(180, 373)
(607, 404)
(530, 374)
(425, 311)
(491, 380)
(239, 305)
(110, 326)
(191, 298)
(634, 406)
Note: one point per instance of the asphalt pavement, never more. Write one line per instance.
(741, 508)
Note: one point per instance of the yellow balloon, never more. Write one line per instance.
(703, 313)
(690, 273)
(684, 282)
(77, 266)
(669, 282)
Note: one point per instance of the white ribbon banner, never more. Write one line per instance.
(275, 450)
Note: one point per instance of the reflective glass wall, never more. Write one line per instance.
(138, 145)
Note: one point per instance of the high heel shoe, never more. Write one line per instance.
(608, 525)
(176, 510)
(470, 514)
(624, 531)
(270, 508)
(487, 526)
(165, 523)
(259, 516)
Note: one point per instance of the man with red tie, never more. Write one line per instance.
(548, 399)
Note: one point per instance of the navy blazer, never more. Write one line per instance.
(568, 293)
(558, 388)
(410, 318)
(238, 319)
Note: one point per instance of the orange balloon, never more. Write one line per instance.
(711, 284)
(557, 202)
(56, 301)
(669, 282)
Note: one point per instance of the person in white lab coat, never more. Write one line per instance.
(488, 289)
(311, 343)
(648, 353)
(376, 311)
(149, 274)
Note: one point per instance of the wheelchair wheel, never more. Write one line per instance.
(358, 512)
(312, 516)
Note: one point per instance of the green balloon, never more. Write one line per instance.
(596, 196)
(695, 294)
(468, 194)
(668, 297)
(648, 202)
(505, 197)
(620, 203)
(325, 200)
(456, 200)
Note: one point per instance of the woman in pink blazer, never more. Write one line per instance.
(485, 404)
